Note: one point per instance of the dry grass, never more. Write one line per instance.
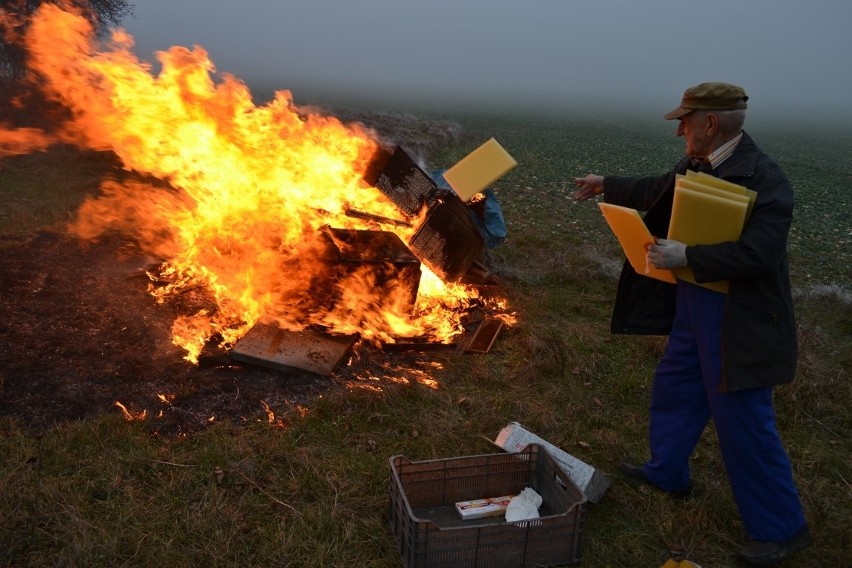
(313, 491)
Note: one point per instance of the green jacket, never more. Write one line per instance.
(759, 334)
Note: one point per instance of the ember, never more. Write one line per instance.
(263, 206)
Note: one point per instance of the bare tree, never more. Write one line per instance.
(17, 14)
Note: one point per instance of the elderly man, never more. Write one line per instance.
(725, 352)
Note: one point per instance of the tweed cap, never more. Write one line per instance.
(710, 96)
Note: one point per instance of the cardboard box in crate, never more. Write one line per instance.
(430, 534)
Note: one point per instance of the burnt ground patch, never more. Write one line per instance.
(79, 332)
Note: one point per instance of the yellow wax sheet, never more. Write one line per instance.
(633, 236)
(479, 169)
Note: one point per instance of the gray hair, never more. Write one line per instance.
(731, 121)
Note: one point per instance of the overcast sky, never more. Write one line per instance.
(786, 53)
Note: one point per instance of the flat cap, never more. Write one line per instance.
(710, 96)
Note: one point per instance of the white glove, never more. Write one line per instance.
(667, 254)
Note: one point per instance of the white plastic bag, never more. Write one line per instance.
(523, 506)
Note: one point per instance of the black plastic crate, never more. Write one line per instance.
(430, 534)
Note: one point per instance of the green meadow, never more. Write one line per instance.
(313, 490)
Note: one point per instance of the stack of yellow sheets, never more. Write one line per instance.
(706, 210)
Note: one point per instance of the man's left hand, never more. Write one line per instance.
(667, 254)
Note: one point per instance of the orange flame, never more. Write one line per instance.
(248, 188)
(131, 416)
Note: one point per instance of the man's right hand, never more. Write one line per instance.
(590, 186)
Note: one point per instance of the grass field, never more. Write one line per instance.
(313, 490)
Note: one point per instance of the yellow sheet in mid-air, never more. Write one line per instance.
(479, 169)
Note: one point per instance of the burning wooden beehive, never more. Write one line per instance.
(446, 241)
(400, 178)
(377, 256)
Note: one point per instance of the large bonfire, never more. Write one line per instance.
(247, 188)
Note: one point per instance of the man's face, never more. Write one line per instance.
(693, 127)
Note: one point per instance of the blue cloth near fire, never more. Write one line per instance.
(490, 222)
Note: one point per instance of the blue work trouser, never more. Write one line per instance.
(684, 397)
